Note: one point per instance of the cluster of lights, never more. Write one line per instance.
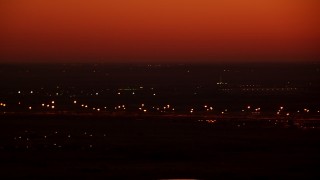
(120, 107)
(279, 110)
(50, 105)
(96, 109)
(256, 111)
(142, 108)
(210, 121)
(166, 108)
(169, 108)
(207, 108)
(84, 105)
(306, 110)
(250, 107)
(87, 106)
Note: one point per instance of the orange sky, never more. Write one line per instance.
(159, 30)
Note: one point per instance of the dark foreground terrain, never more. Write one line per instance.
(92, 147)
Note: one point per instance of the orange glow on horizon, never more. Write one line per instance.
(159, 30)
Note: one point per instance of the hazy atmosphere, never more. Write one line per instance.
(159, 31)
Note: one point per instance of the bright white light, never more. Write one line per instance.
(74, 102)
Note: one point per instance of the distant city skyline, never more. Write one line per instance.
(186, 31)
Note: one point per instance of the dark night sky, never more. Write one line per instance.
(159, 30)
